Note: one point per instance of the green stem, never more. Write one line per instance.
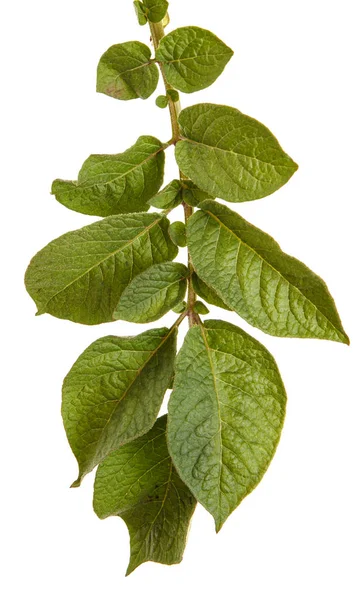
(157, 33)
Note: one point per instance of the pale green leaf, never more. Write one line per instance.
(226, 414)
(207, 293)
(268, 288)
(114, 391)
(153, 293)
(110, 184)
(125, 71)
(230, 155)
(81, 275)
(155, 9)
(192, 58)
(140, 484)
(169, 196)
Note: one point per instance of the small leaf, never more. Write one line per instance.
(139, 484)
(125, 71)
(177, 232)
(156, 9)
(230, 155)
(169, 197)
(140, 12)
(200, 308)
(226, 413)
(174, 95)
(268, 288)
(180, 307)
(153, 293)
(110, 184)
(81, 275)
(191, 194)
(161, 101)
(192, 58)
(207, 293)
(114, 392)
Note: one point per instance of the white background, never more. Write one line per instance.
(294, 70)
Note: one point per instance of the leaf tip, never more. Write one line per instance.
(76, 483)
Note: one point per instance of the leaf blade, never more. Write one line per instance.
(81, 275)
(192, 58)
(115, 184)
(266, 287)
(146, 507)
(226, 413)
(113, 393)
(230, 155)
(151, 294)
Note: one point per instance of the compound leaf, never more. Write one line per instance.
(114, 391)
(140, 484)
(153, 293)
(226, 414)
(81, 275)
(268, 288)
(110, 184)
(230, 155)
(192, 58)
(125, 72)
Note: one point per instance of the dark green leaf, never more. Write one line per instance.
(207, 293)
(177, 232)
(192, 58)
(200, 308)
(153, 293)
(110, 184)
(169, 196)
(125, 72)
(81, 275)
(139, 484)
(226, 414)
(268, 288)
(114, 391)
(230, 155)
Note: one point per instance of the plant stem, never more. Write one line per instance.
(157, 32)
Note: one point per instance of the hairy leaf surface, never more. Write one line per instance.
(226, 414)
(125, 72)
(207, 293)
(230, 155)
(140, 484)
(268, 288)
(110, 184)
(192, 58)
(114, 391)
(153, 293)
(81, 275)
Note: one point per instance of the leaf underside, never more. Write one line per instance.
(114, 391)
(249, 271)
(140, 484)
(225, 416)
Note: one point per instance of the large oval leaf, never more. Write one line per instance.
(111, 184)
(226, 414)
(114, 391)
(81, 275)
(139, 484)
(230, 155)
(153, 293)
(125, 71)
(192, 58)
(268, 288)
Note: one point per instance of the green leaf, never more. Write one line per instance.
(200, 308)
(161, 101)
(153, 293)
(140, 12)
(177, 232)
(169, 196)
(114, 391)
(81, 275)
(192, 58)
(230, 155)
(268, 288)
(207, 293)
(139, 484)
(226, 413)
(125, 72)
(110, 184)
(156, 9)
(191, 194)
